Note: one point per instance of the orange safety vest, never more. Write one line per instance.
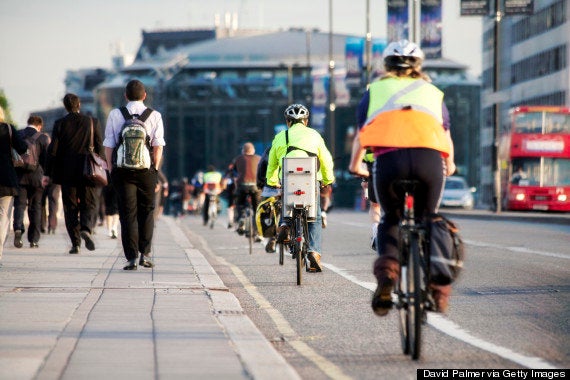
(405, 113)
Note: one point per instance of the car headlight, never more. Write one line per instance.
(519, 197)
(562, 197)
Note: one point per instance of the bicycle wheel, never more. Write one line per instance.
(298, 244)
(401, 291)
(213, 211)
(415, 301)
(249, 228)
(281, 253)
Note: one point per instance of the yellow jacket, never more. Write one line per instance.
(308, 142)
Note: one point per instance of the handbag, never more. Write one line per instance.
(95, 168)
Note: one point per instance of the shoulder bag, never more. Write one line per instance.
(95, 168)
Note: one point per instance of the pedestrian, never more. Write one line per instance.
(32, 182)
(111, 209)
(70, 141)
(161, 195)
(299, 140)
(405, 122)
(9, 139)
(135, 176)
(50, 198)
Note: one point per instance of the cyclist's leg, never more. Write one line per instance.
(388, 168)
(315, 239)
(428, 167)
(205, 207)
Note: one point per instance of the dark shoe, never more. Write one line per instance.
(241, 228)
(18, 243)
(315, 260)
(382, 298)
(113, 235)
(89, 243)
(34, 245)
(43, 230)
(143, 262)
(131, 265)
(283, 235)
(441, 295)
(270, 246)
(75, 249)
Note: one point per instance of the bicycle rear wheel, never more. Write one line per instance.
(249, 229)
(281, 253)
(415, 300)
(298, 244)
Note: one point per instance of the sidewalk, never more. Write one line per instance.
(81, 316)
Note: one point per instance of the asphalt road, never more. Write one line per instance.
(509, 309)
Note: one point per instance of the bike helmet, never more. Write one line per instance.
(403, 54)
(296, 112)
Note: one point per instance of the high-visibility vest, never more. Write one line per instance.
(405, 113)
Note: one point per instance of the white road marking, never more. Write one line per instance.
(516, 249)
(450, 328)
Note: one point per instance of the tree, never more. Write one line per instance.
(5, 106)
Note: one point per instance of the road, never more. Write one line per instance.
(509, 309)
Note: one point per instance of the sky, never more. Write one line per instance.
(41, 39)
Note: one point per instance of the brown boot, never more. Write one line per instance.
(441, 295)
(315, 260)
(387, 272)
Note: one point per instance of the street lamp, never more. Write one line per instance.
(331, 100)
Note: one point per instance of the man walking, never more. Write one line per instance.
(32, 182)
(70, 141)
(134, 140)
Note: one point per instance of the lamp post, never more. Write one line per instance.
(331, 100)
(368, 45)
(496, 110)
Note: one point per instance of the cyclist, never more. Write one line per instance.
(213, 185)
(298, 140)
(374, 210)
(246, 167)
(405, 122)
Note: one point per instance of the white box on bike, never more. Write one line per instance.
(299, 184)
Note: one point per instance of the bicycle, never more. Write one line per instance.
(246, 224)
(299, 196)
(212, 194)
(413, 295)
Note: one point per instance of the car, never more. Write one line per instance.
(457, 193)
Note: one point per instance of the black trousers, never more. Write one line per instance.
(30, 197)
(242, 192)
(424, 165)
(51, 197)
(135, 191)
(79, 209)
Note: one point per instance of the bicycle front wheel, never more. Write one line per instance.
(415, 301)
(249, 228)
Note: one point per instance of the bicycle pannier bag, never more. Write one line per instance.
(266, 218)
(133, 151)
(447, 251)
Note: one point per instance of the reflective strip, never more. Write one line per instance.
(391, 103)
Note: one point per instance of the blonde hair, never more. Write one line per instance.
(410, 72)
(1, 114)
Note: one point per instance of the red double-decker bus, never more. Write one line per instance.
(535, 159)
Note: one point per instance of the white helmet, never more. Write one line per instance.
(296, 112)
(403, 54)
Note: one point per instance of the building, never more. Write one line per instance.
(533, 59)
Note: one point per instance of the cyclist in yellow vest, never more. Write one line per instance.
(405, 123)
(213, 185)
(374, 210)
(298, 140)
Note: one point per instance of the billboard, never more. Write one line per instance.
(398, 20)
(474, 7)
(430, 28)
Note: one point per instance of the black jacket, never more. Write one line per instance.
(8, 177)
(69, 147)
(34, 178)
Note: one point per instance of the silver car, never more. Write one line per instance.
(457, 193)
